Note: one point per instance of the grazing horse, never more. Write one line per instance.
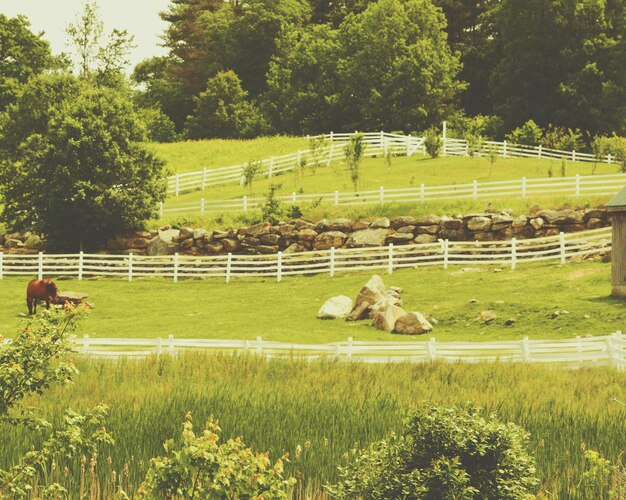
(45, 290)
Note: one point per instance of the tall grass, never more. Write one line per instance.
(326, 408)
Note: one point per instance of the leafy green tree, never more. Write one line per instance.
(442, 453)
(528, 134)
(159, 127)
(354, 154)
(396, 70)
(432, 142)
(201, 467)
(301, 80)
(37, 359)
(23, 54)
(223, 110)
(75, 169)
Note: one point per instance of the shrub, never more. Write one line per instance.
(562, 138)
(159, 126)
(250, 171)
(201, 468)
(528, 134)
(442, 453)
(354, 154)
(432, 142)
(271, 209)
(614, 145)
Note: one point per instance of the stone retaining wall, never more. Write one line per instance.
(302, 235)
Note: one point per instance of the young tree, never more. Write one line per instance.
(354, 154)
(75, 169)
(85, 34)
(223, 110)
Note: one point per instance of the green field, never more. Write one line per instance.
(327, 408)
(286, 311)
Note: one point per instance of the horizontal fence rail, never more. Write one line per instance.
(608, 350)
(377, 143)
(561, 247)
(576, 186)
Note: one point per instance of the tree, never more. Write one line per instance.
(22, 56)
(354, 154)
(528, 134)
(75, 169)
(396, 71)
(36, 360)
(442, 453)
(85, 34)
(223, 110)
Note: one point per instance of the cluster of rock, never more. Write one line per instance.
(381, 305)
(302, 235)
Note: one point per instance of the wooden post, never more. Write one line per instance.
(332, 261)
(279, 266)
(1, 265)
(204, 172)
(85, 349)
(513, 253)
(445, 244)
(432, 349)
(176, 267)
(422, 192)
(245, 203)
(259, 345)
(336, 198)
(475, 189)
(525, 350)
(170, 344)
(229, 259)
(40, 266)
(80, 265)
(159, 347)
(444, 137)
(577, 185)
(177, 184)
(608, 158)
(293, 197)
(609, 351)
(350, 342)
(523, 187)
(269, 175)
(539, 149)
(573, 155)
(562, 246)
(331, 150)
(130, 266)
(201, 206)
(160, 210)
(382, 195)
(390, 259)
(504, 150)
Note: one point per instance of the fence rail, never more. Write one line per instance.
(377, 143)
(579, 185)
(388, 258)
(609, 350)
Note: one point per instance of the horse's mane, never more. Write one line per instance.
(51, 286)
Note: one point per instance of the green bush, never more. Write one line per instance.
(528, 134)
(271, 209)
(159, 126)
(562, 138)
(432, 143)
(442, 453)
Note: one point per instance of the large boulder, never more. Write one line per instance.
(335, 307)
(372, 292)
(386, 317)
(164, 243)
(413, 323)
(479, 223)
(342, 224)
(367, 238)
(329, 239)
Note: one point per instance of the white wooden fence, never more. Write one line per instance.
(578, 185)
(388, 258)
(378, 143)
(609, 350)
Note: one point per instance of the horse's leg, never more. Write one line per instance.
(29, 305)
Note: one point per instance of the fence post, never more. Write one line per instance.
(85, 349)
(159, 346)
(160, 210)
(40, 266)
(201, 206)
(609, 350)
(332, 261)
(293, 197)
(444, 245)
(422, 193)
(259, 345)
(579, 348)
(539, 151)
(432, 349)
(170, 344)
(504, 151)
(475, 189)
(1, 265)
(562, 246)
(130, 266)
(176, 267)
(80, 265)
(608, 158)
(336, 198)
(382, 194)
(390, 259)
(577, 185)
(573, 155)
(331, 150)
(177, 184)
(513, 253)
(204, 178)
(383, 144)
(523, 187)
(525, 350)
(279, 266)
(229, 259)
(408, 146)
(245, 203)
(349, 353)
(269, 175)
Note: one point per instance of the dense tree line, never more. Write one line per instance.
(310, 65)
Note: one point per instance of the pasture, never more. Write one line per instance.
(327, 408)
(286, 311)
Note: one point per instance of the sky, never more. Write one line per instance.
(139, 17)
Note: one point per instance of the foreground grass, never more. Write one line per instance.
(327, 408)
(246, 308)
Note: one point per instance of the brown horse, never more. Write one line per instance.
(45, 290)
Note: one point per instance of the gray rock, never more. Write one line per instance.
(407, 229)
(342, 224)
(403, 220)
(380, 223)
(429, 220)
(479, 224)
(367, 238)
(329, 239)
(359, 312)
(335, 307)
(487, 316)
(447, 222)
(185, 233)
(537, 223)
(258, 230)
(294, 248)
(399, 238)
(199, 234)
(425, 238)
(164, 243)
(372, 291)
(386, 317)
